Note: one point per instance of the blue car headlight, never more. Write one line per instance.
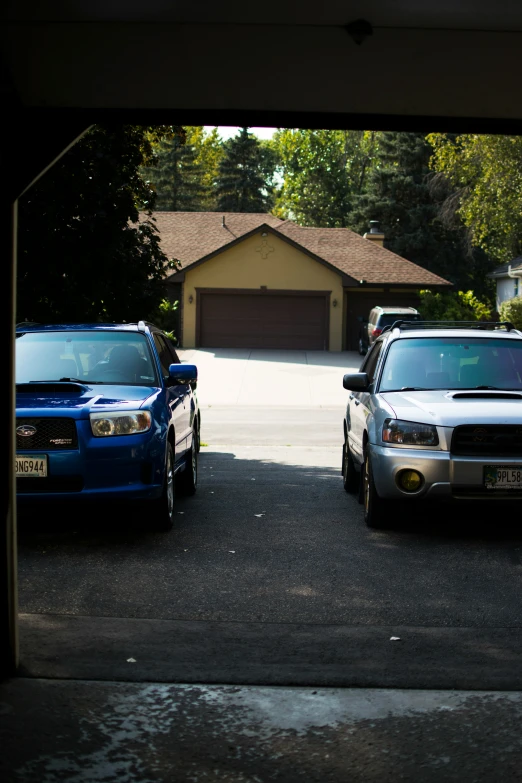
(125, 423)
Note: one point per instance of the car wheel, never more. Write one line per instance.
(376, 515)
(188, 479)
(199, 435)
(164, 510)
(350, 475)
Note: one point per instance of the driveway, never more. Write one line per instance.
(261, 378)
(271, 562)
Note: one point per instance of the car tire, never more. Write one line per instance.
(188, 479)
(376, 515)
(164, 505)
(362, 350)
(350, 475)
(198, 441)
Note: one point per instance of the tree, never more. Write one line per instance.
(321, 171)
(400, 195)
(85, 253)
(176, 176)
(485, 173)
(244, 180)
(208, 147)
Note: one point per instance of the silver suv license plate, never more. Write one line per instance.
(34, 466)
(503, 477)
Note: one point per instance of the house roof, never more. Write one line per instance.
(502, 270)
(193, 237)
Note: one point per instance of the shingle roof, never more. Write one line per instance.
(192, 236)
(360, 258)
(502, 270)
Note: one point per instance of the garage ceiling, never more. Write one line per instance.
(437, 63)
(448, 14)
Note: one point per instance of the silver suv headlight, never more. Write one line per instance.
(409, 433)
(126, 423)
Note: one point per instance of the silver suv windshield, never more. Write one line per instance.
(86, 356)
(452, 363)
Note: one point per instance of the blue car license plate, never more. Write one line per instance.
(34, 466)
(503, 477)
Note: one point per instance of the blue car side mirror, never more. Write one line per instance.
(183, 373)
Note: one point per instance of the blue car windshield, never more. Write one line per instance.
(87, 356)
(452, 363)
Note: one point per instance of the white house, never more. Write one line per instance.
(509, 280)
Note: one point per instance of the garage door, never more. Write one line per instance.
(263, 321)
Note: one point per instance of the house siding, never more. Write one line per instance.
(506, 289)
(263, 261)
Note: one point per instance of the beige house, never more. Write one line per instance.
(255, 281)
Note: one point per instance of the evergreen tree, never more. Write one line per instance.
(400, 195)
(176, 177)
(244, 176)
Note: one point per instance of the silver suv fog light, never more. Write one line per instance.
(409, 480)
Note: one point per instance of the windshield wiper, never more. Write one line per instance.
(493, 388)
(59, 380)
(410, 388)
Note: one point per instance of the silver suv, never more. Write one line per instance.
(435, 413)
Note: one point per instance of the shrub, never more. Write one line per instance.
(454, 306)
(511, 310)
(165, 316)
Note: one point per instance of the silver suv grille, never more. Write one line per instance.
(487, 440)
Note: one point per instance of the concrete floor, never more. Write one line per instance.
(236, 377)
(83, 732)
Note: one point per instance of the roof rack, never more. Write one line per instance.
(401, 324)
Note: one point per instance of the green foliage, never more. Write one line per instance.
(165, 316)
(400, 194)
(321, 171)
(184, 169)
(453, 306)
(244, 180)
(84, 251)
(208, 149)
(176, 177)
(486, 175)
(511, 310)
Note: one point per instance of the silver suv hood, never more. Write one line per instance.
(451, 408)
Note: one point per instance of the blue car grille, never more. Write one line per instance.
(52, 434)
(487, 440)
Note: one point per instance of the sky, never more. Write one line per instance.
(226, 131)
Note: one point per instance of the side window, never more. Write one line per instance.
(164, 354)
(370, 365)
(175, 357)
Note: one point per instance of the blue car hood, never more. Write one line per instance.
(77, 400)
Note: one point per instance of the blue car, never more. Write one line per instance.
(104, 412)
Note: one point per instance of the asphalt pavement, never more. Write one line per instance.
(270, 578)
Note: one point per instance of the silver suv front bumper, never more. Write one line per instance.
(445, 476)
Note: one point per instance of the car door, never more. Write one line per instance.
(191, 399)
(178, 395)
(359, 403)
